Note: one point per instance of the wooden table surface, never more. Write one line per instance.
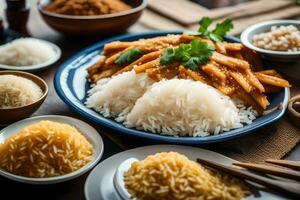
(72, 190)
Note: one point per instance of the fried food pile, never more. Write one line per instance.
(86, 7)
(233, 69)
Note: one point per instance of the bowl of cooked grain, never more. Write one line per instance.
(91, 17)
(21, 94)
(48, 149)
(277, 40)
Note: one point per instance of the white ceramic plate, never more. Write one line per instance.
(89, 132)
(99, 184)
(41, 66)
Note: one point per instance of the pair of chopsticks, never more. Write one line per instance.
(288, 187)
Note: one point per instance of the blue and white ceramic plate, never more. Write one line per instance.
(71, 85)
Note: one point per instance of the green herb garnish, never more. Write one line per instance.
(298, 2)
(191, 55)
(216, 34)
(129, 56)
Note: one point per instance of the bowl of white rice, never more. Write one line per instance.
(21, 94)
(277, 40)
(28, 54)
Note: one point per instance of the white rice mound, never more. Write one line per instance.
(115, 97)
(181, 107)
(25, 52)
(16, 91)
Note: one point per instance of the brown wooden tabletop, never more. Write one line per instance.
(54, 106)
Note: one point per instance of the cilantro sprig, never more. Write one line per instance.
(129, 56)
(190, 55)
(217, 34)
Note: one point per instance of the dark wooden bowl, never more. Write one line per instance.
(103, 25)
(9, 115)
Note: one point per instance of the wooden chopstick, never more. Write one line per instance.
(289, 188)
(291, 174)
(286, 163)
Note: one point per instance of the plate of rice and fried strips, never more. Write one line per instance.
(174, 87)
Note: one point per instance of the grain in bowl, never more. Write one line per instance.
(86, 7)
(279, 38)
(17, 91)
(172, 176)
(45, 149)
(26, 52)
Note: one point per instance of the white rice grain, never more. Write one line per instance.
(185, 108)
(116, 96)
(175, 107)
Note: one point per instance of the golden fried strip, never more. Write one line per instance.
(232, 46)
(116, 46)
(153, 74)
(226, 89)
(221, 48)
(247, 99)
(240, 79)
(148, 65)
(156, 43)
(272, 80)
(230, 62)
(270, 72)
(194, 75)
(106, 73)
(260, 98)
(188, 38)
(145, 58)
(95, 67)
(212, 70)
(254, 81)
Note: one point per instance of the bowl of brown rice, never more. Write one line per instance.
(48, 149)
(277, 40)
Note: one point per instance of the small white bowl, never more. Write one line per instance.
(41, 66)
(119, 178)
(89, 132)
(282, 56)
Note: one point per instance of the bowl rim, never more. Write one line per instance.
(290, 106)
(21, 73)
(57, 51)
(85, 17)
(65, 177)
(249, 44)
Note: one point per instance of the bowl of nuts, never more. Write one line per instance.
(277, 40)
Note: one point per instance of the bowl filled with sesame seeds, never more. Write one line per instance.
(48, 149)
(277, 40)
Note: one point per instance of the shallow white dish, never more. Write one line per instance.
(89, 132)
(282, 56)
(41, 66)
(99, 184)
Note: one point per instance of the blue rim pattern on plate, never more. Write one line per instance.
(71, 85)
